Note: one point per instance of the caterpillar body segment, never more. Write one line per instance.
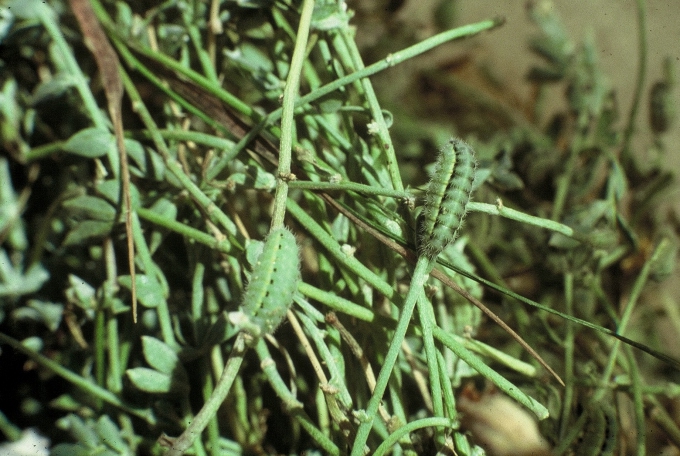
(447, 196)
(272, 284)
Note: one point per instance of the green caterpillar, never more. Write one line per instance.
(274, 280)
(448, 194)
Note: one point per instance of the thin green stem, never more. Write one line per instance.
(114, 383)
(68, 61)
(427, 323)
(48, 19)
(335, 302)
(287, 126)
(413, 426)
(350, 186)
(447, 388)
(418, 279)
(384, 140)
(528, 219)
(114, 377)
(504, 385)
(638, 403)
(185, 231)
(153, 273)
(635, 292)
(568, 355)
(209, 409)
(290, 403)
(626, 154)
(332, 246)
(9, 429)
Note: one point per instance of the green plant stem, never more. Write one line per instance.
(185, 231)
(336, 302)
(195, 36)
(413, 426)
(9, 429)
(197, 296)
(351, 186)
(152, 273)
(384, 140)
(133, 62)
(564, 179)
(447, 388)
(336, 375)
(635, 292)
(638, 403)
(114, 383)
(427, 323)
(47, 17)
(78, 381)
(332, 246)
(568, 355)
(485, 350)
(287, 127)
(418, 279)
(626, 153)
(290, 403)
(100, 346)
(528, 219)
(504, 385)
(209, 409)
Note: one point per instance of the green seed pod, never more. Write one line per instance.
(448, 194)
(272, 284)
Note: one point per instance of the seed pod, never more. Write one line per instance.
(447, 196)
(272, 284)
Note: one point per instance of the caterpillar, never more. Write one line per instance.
(273, 282)
(447, 196)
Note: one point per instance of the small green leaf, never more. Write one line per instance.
(14, 282)
(47, 313)
(159, 355)
(331, 15)
(87, 231)
(70, 449)
(52, 88)
(79, 430)
(165, 208)
(91, 207)
(149, 291)
(152, 381)
(80, 293)
(91, 143)
(110, 190)
(110, 434)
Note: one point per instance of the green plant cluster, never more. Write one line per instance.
(244, 116)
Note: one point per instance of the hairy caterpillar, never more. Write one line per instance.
(446, 198)
(272, 284)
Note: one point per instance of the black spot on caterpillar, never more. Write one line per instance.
(447, 196)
